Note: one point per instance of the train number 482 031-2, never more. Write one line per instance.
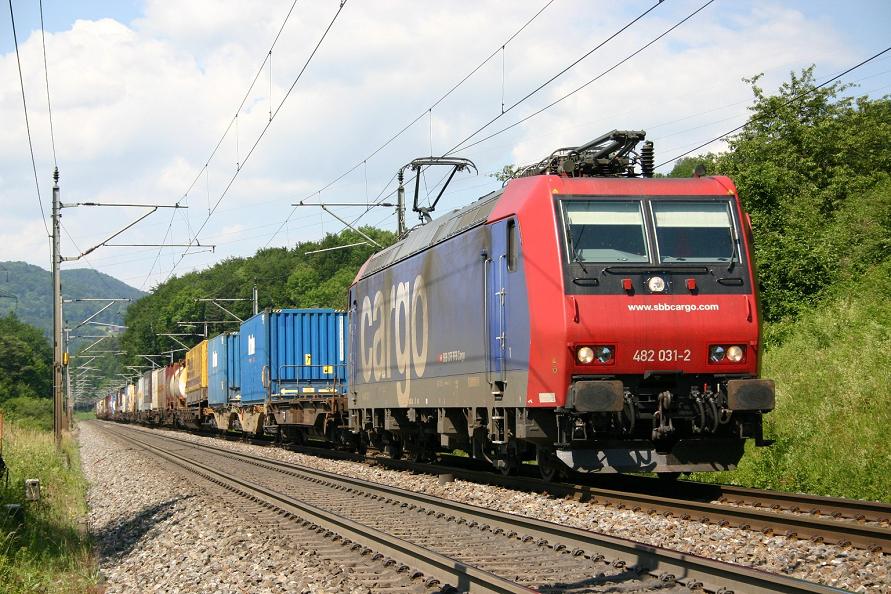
(663, 355)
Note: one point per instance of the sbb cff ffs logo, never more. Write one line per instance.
(400, 323)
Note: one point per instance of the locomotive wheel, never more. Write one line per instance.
(550, 468)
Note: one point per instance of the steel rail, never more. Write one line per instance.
(775, 521)
(687, 569)
(466, 578)
(857, 509)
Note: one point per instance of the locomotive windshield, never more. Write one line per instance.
(693, 231)
(615, 231)
(606, 231)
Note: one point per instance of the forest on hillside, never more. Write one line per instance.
(26, 290)
(283, 277)
(813, 169)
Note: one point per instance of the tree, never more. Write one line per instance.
(507, 173)
(26, 361)
(685, 166)
(812, 168)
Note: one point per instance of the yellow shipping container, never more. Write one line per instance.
(196, 380)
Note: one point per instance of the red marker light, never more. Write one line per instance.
(691, 284)
(626, 284)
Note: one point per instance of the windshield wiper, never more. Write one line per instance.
(733, 241)
(651, 268)
(576, 254)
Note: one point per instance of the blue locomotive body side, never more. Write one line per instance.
(441, 322)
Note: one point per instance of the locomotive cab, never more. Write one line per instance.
(656, 316)
(664, 336)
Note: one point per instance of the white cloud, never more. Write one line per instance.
(139, 106)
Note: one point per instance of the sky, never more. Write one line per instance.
(143, 91)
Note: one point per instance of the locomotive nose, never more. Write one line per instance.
(638, 334)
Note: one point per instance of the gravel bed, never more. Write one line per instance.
(852, 569)
(157, 531)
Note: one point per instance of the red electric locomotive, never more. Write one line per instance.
(587, 315)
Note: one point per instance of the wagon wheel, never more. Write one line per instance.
(394, 449)
(669, 476)
(508, 466)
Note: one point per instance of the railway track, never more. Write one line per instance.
(462, 546)
(858, 523)
(843, 522)
(862, 524)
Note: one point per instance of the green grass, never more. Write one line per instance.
(832, 422)
(84, 415)
(49, 551)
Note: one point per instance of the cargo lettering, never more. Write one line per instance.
(400, 323)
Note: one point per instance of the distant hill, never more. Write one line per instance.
(27, 290)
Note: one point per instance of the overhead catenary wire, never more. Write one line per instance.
(250, 152)
(702, 145)
(425, 113)
(554, 77)
(365, 164)
(461, 146)
(27, 122)
(49, 107)
(785, 104)
(536, 90)
(267, 58)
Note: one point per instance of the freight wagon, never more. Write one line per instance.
(224, 382)
(293, 373)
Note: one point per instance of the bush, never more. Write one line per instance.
(832, 416)
(34, 413)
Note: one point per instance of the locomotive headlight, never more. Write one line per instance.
(716, 354)
(585, 355)
(604, 354)
(656, 284)
(735, 354)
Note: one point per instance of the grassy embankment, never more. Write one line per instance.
(49, 551)
(83, 415)
(832, 422)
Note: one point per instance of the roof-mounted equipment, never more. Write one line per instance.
(611, 155)
(456, 163)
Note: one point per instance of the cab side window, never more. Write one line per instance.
(513, 245)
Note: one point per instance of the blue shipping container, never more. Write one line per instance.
(290, 352)
(223, 366)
